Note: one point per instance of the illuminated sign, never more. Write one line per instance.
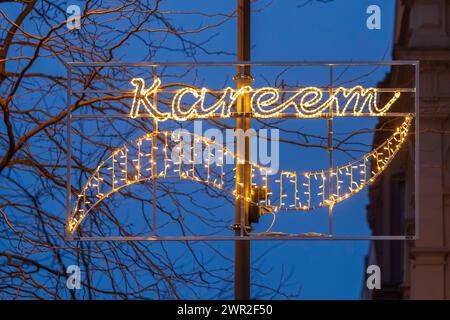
(308, 102)
(172, 152)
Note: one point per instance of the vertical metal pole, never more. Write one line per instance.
(69, 151)
(243, 170)
(417, 150)
(154, 155)
(330, 153)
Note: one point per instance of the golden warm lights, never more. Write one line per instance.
(309, 102)
(164, 155)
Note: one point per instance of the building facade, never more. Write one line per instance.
(417, 269)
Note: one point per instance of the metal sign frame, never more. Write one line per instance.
(243, 236)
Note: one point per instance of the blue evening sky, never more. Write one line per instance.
(288, 31)
(291, 31)
(324, 31)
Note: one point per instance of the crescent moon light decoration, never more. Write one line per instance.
(151, 156)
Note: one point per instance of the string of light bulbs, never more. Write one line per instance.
(302, 191)
(309, 102)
